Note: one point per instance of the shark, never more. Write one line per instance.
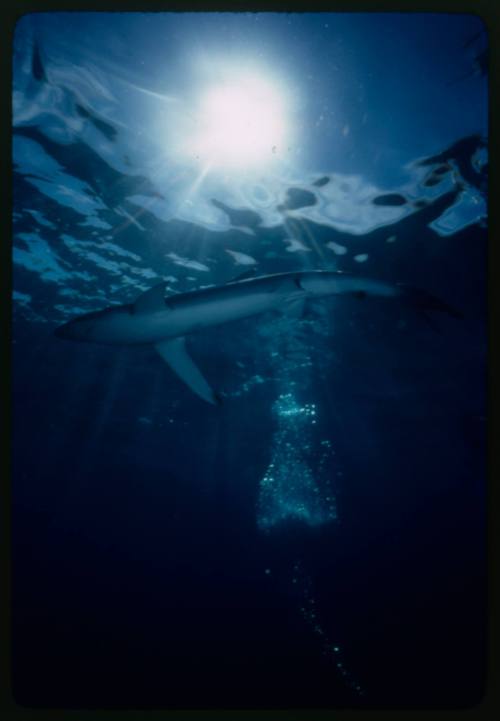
(164, 321)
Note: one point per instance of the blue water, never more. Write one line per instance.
(319, 540)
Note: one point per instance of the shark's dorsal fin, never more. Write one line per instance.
(151, 300)
(250, 273)
(173, 351)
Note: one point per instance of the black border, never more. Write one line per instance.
(489, 12)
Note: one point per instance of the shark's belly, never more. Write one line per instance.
(180, 320)
(189, 317)
(184, 317)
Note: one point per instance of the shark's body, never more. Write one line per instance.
(164, 322)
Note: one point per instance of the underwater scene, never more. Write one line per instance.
(249, 360)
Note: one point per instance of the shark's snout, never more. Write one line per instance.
(78, 329)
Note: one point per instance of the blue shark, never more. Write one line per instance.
(165, 321)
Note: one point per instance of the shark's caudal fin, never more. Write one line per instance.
(173, 351)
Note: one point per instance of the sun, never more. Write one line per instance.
(240, 124)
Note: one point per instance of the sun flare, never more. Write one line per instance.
(240, 124)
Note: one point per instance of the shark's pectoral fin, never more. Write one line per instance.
(294, 307)
(174, 352)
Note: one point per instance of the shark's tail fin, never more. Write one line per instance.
(423, 302)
